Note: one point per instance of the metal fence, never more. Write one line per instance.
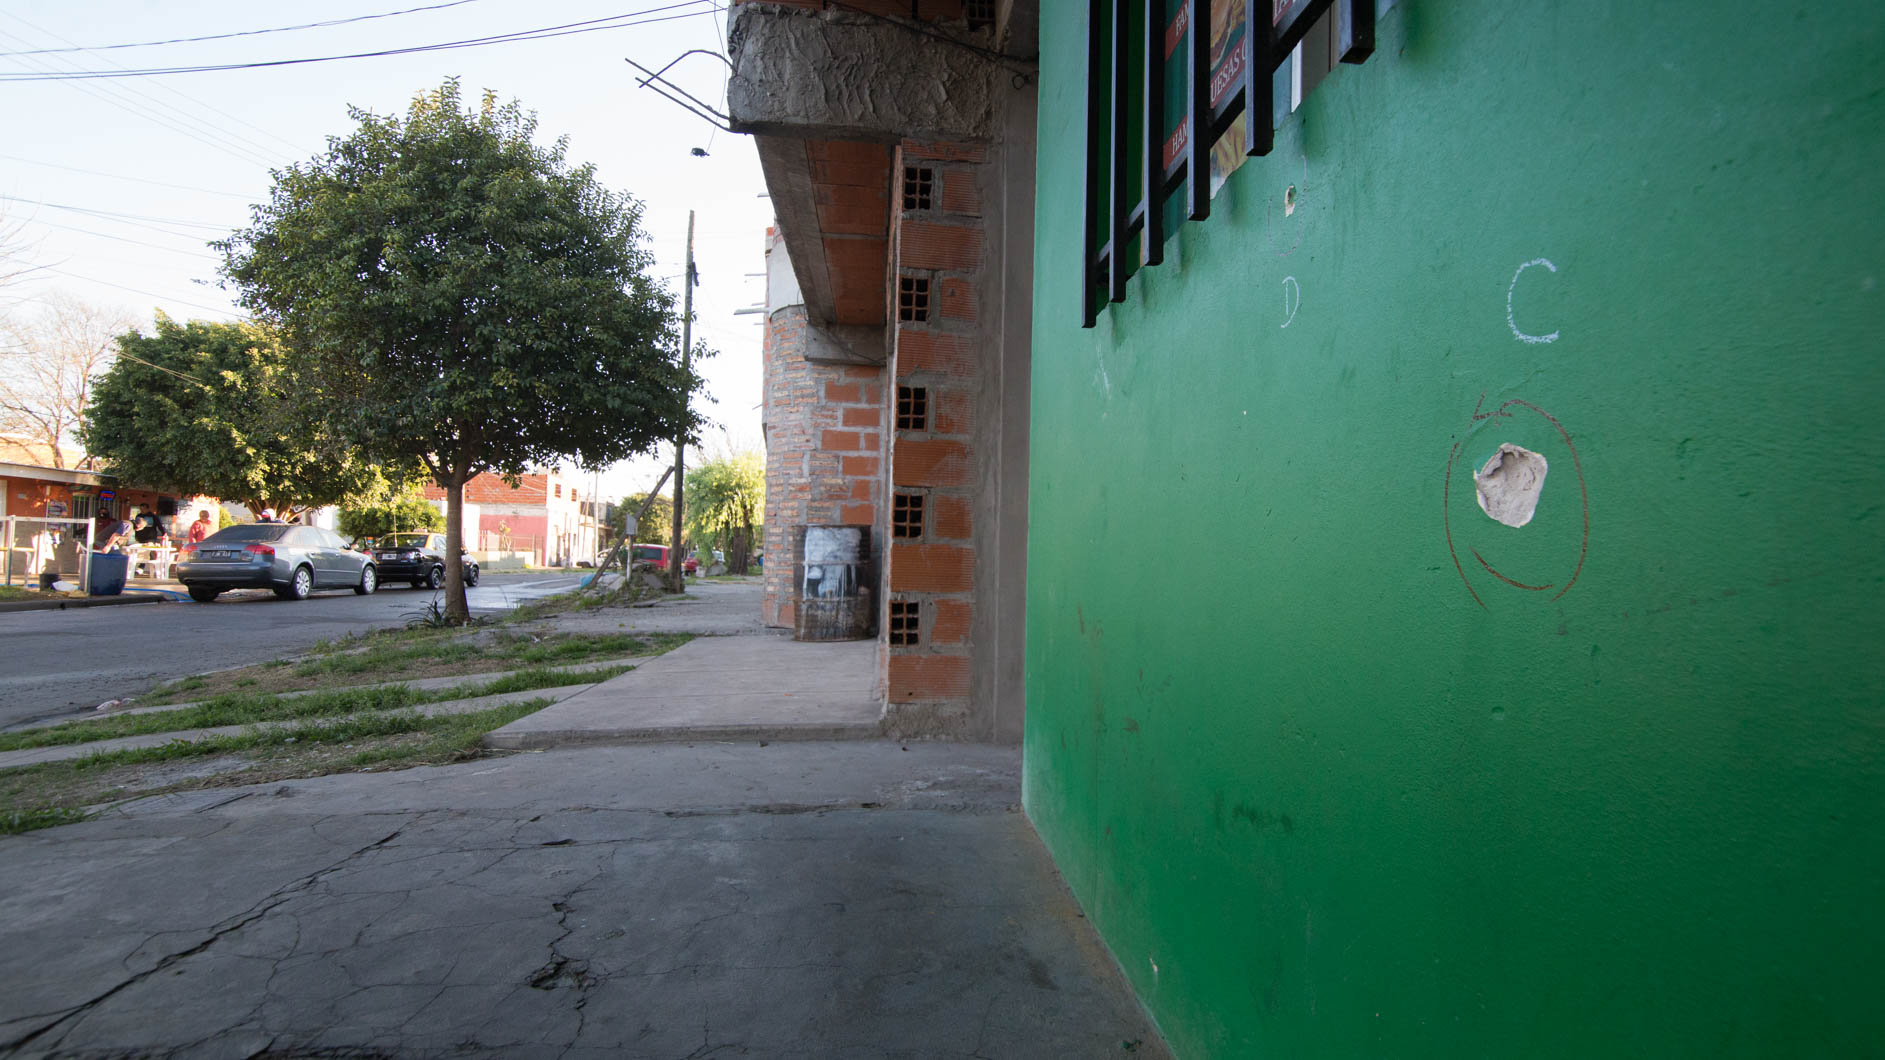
(35, 546)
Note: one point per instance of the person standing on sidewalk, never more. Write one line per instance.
(200, 529)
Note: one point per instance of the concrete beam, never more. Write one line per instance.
(841, 75)
(788, 173)
(846, 344)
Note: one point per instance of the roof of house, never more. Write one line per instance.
(11, 469)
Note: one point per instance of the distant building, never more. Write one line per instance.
(543, 515)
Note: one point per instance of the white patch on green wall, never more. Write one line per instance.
(1509, 484)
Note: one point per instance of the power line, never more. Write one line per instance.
(211, 140)
(181, 97)
(243, 33)
(115, 213)
(167, 371)
(120, 176)
(93, 215)
(202, 127)
(134, 290)
(542, 33)
(124, 239)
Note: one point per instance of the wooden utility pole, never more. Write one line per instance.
(675, 577)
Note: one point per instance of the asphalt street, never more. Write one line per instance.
(55, 664)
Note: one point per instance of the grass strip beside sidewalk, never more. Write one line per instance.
(57, 793)
(244, 709)
(402, 654)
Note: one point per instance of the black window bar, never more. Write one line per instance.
(1112, 224)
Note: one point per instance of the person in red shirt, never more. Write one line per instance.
(202, 528)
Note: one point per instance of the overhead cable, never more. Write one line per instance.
(120, 176)
(116, 213)
(178, 123)
(134, 290)
(242, 33)
(212, 127)
(621, 21)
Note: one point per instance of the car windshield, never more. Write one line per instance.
(650, 552)
(257, 532)
(403, 540)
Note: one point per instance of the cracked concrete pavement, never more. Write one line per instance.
(856, 899)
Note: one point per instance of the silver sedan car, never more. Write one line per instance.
(292, 560)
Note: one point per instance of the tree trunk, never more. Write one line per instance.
(457, 611)
(739, 550)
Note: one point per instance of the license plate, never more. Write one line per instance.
(220, 555)
(389, 555)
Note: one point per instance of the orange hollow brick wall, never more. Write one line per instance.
(824, 450)
(928, 683)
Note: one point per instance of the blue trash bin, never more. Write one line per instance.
(107, 574)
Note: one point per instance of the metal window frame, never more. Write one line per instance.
(1112, 224)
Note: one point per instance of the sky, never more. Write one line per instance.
(120, 182)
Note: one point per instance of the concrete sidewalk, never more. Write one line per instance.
(756, 687)
(805, 899)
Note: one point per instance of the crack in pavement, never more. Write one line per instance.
(72, 1016)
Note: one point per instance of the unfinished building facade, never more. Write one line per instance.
(897, 358)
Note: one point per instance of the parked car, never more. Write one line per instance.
(655, 557)
(295, 561)
(419, 558)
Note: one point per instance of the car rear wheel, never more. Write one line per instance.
(203, 594)
(471, 576)
(435, 577)
(300, 587)
(369, 581)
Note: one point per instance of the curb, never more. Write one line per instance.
(548, 739)
(63, 604)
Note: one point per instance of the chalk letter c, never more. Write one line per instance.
(1510, 320)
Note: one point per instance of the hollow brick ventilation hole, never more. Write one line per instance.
(906, 623)
(913, 298)
(912, 408)
(980, 13)
(917, 184)
(906, 515)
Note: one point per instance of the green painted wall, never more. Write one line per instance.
(1319, 800)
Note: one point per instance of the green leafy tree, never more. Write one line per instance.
(657, 526)
(219, 408)
(401, 512)
(726, 499)
(475, 303)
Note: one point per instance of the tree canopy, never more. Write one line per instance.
(375, 517)
(477, 304)
(217, 408)
(726, 501)
(657, 526)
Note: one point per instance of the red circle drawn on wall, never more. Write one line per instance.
(1583, 491)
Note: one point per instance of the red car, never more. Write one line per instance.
(656, 557)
